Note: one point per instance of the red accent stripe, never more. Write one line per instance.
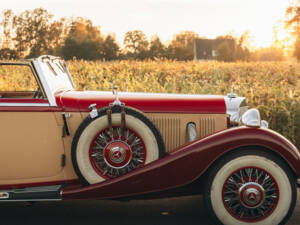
(38, 184)
(23, 100)
(29, 109)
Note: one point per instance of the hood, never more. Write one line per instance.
(146, 102)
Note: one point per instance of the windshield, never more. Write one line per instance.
(56, 73)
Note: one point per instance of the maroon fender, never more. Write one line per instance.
(186, 164)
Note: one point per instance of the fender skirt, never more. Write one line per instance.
(186, 164)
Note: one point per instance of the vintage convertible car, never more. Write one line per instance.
(62, 144)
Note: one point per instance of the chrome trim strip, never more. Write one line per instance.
(25, 104)
(37, 189)
(4, 195)
(41, 75)
(13, 193)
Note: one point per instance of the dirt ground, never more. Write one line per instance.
(172, 211)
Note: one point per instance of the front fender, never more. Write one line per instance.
(187, 163)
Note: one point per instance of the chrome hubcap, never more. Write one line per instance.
(250, 194)
(115, 155)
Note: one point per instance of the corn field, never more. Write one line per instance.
(271, 87)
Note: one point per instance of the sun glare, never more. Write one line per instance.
(262, 40)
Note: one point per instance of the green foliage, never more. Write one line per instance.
(7, 27)
(157, 49)
(84, 41)
(234, 49)
(136, 44)
(242, 52)
(225, 53)
(34, 33)
(111, 49)
(30, 33)
(182, 46)
(293, 22)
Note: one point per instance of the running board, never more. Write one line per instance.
(45, 193)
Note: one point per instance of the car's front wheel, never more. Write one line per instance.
(250, 187)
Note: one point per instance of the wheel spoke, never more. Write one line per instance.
(242, 176)
(250, 194)
(230, 191)
(118, 132)
(249, 172)
(138, 160)
(117, 153)
(135, 142)
(97, 155)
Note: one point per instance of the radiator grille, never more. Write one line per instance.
(170, 129)
(173, 126)
(207, 126)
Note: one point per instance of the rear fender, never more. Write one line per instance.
(187, 163)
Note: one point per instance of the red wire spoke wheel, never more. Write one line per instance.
(250, 194)
(112, 157)
(250, 186)
(101, 151)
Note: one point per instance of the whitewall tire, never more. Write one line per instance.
(98, 156)
(250, 187)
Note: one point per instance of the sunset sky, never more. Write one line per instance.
(165, 18)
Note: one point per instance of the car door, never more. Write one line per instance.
(30, 138)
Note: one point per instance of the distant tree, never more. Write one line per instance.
(84, 41)
(35, 34)
(245, 39)
(293, 22)
(157, 48)
(31, 29)
(182, 46)
(111, 48)
(7, 28)
(57, 34)
(136, 44)
(225, 52)
(243, 43)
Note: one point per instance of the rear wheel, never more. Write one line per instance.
(99, 155)
(250, 187)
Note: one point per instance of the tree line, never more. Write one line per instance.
(35, 32)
